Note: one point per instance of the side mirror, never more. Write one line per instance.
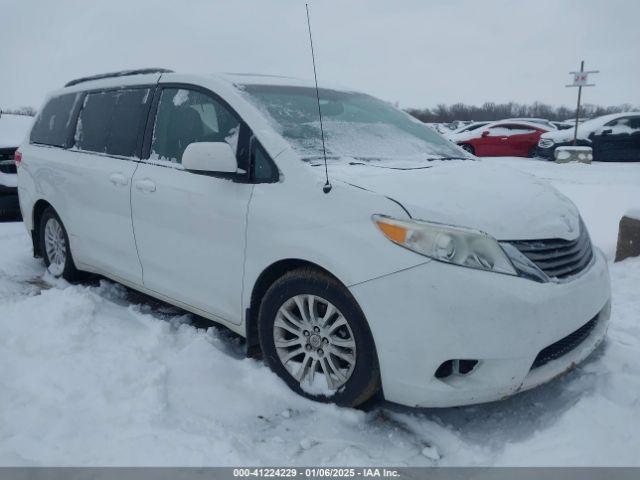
(214, 157)
(485, 133)
(607, 131)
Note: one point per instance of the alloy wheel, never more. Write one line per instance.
(313, 340)
(55, 245)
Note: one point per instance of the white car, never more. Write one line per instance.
(13, 130)
(418, 273)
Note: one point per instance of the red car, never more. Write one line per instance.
(502, 139)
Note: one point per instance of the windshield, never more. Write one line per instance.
(355, 125)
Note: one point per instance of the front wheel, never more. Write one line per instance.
(314, 336)
(54, 245)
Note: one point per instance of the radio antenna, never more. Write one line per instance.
(327, 186)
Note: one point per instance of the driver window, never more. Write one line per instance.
(188, 116)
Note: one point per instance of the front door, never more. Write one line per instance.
(189, 227)
(615, 140)
(494, 143)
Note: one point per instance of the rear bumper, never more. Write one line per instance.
(9, 203)
(426, 315)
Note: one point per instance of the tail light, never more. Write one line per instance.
(17, 156)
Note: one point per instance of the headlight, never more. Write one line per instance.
(456, 245)
(545, 143)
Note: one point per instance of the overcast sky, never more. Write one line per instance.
(418, 53)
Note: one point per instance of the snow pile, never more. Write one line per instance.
(13, 129)
(95, 374)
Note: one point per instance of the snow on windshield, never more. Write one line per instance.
(355, 125)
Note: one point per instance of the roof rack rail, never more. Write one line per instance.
(122, 73)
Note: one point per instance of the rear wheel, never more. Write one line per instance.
(468, 148)
(315, 337)
(54, 245)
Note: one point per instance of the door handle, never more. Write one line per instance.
(146, 185)
(118, 178)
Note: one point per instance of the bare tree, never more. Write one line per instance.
(489, 111)
(28, 111)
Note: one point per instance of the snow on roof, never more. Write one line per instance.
(277, 80)
(585, 128)
(13, 129)
(511, 121)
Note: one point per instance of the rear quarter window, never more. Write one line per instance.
(54, 123)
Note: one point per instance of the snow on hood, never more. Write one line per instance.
(503, 202)
(13, 129)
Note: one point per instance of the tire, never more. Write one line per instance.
(54, 245)
(357, 365)
(468, 148)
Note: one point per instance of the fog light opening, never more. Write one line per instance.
(455, 367)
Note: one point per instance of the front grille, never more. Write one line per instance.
(7, 163)
(558, 258)
(564, 345)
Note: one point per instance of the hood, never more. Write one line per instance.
(468, 135)
(505, 203)
(566, 135)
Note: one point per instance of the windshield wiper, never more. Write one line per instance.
(389, 168)
(448, 158)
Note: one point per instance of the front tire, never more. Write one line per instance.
(54, 245)
(314, 336)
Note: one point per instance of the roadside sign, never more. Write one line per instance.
(580, 79)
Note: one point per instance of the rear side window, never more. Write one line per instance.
(54, 123)
(111, 122)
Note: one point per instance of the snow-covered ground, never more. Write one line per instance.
(95, 374)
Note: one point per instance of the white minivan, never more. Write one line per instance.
(419, 274)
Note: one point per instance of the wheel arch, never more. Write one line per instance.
(38, 209)
(267, 278)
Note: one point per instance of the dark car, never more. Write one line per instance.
(9, 206)
(613, 138)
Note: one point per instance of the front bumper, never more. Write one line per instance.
(426, 315)
(548, 152)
